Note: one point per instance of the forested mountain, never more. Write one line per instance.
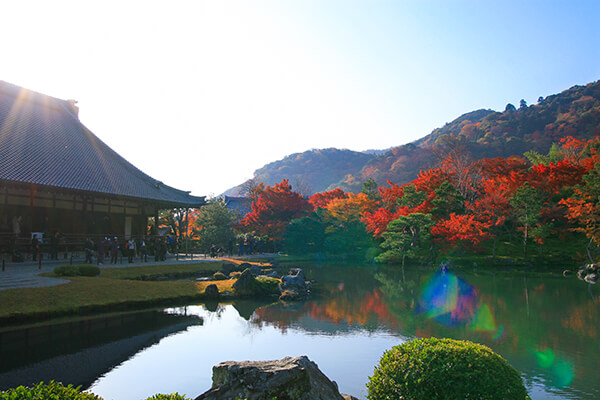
(311, 171)
(482, 133)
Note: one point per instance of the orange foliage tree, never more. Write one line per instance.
(273, 209)
(322, 200)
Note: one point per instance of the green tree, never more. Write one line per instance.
(370, 188)
(527, 205)
(304, 235)
(215, 221)
(411, 197)
(555, 154)
(447, 200)
(522, 104)
(349, 238)
(407, 236)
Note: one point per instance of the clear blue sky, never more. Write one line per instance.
(199, 94)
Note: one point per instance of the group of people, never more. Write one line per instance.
(246, 244)
(36, 245)
(131, 249)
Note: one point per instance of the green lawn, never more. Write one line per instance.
(113, 289)
(156, 270)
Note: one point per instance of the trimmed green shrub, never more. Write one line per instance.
(268, 285)
(77, 270)
(444, 369)
(66, 270)
(88, 270)
(219, 276)
(47, 391)
(173, 396)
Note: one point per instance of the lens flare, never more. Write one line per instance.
(499, 333)
(483, 321)
(448, 299)
(561, 370)
(545, 358)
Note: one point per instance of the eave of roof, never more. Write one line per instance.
(42, 142)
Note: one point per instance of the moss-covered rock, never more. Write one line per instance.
(219, 276)
(248, 285)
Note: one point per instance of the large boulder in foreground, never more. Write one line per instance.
(289, 378)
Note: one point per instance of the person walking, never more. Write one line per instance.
(143, 251)
(88, 247)
(114, 251)
(35, 247)
(131, 249)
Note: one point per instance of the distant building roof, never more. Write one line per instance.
(241, 204)
(43, 142)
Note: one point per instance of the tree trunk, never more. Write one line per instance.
(589, 251)
(525, 241)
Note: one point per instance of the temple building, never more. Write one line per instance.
(57, 176)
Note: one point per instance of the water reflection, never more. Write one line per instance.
(77, 351)
(545, 326)
(540, 323)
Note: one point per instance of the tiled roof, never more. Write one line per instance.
(241, 204)
(43, 142)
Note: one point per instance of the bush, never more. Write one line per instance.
(77, 270)
(50, 391)
(174, 396)
(88, 270)
(66, 270)
(219, 276)
(268, 285)
(444, 369)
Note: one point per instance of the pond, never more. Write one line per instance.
(545, 325)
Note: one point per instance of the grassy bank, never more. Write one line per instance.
(113, 289)
(161, 270)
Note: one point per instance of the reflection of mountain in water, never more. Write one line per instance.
(79, 351)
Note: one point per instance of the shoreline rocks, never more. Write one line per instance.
(290, 378)
(294, 286)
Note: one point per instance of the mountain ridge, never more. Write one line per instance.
(483, 133)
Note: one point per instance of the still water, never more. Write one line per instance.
(545, 325)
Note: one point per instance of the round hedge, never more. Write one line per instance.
(77, 270)
(47, 391)
(444, 369)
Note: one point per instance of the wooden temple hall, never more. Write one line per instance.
(57, 176)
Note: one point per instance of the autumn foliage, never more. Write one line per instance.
(467, 205)
(274, 208)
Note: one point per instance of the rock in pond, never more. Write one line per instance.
(211, 291)
(289, 378)
(228, 268)
(294, 286)
(246, 284)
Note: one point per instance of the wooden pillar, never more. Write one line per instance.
(187, 210)
(31, 207)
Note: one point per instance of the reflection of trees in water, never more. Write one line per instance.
(538, 322)
(348, 298)
(556, 341)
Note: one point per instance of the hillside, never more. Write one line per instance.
(311, 171)
(483, 133)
